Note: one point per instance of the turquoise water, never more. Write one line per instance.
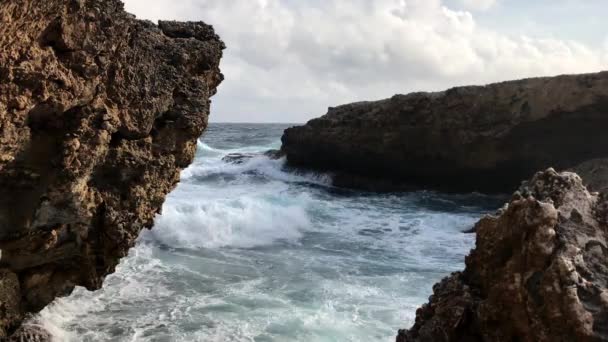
(257, 252)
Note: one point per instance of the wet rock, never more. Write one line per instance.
(482, 138)
(471, 230)
(99, 112)
(538, 272)
(31, 333)
(274, 154)
(240, 158)
(594, 173)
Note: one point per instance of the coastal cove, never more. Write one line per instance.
(456, 190)
(256, 251)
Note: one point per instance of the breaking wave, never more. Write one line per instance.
(249, 250)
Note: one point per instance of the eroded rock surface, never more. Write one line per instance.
(594, 173)
(482, 138)
(539, 272)
(99, 112)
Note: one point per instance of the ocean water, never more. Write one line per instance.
(257, 252)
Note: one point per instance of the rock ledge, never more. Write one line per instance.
(481, 138)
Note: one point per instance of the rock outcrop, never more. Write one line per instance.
(482, 138)
(594, 173)
(539, 272)
(99, 112)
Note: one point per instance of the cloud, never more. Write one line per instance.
(605, 53)
(288, 61)
(478, 5)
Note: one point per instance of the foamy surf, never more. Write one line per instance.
(247, 221)
(256, 252)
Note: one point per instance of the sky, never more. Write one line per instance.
(289, 60)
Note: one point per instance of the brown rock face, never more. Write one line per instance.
(99, 112)
(485, 138)
(539, 272)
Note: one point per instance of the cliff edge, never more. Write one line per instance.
(99, 112)
(539, 272)
(478, 138)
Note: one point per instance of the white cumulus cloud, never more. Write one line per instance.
(478, 5)
(287, 61)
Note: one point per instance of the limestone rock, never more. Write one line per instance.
(99, 112)
(594, 173)
(482, 138)
(539, 272)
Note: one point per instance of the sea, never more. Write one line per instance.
(248, 249)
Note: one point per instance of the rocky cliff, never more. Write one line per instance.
(484, 138)
(539, 272)
(99, 112)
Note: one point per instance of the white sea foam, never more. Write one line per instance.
(209, 151)
(247, 221)
(136, 280)
(273, 169)
(254, 251)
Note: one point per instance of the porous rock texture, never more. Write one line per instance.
(478, 138)
(594, 173)
(99, 112)
(539, 272)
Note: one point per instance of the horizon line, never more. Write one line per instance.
(257, 123)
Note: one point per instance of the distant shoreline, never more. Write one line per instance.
(257, 123)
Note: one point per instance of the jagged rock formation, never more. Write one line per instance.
(539, 272)
(486, 138)
(594, 173)
(99, 112)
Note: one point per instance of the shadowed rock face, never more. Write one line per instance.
(99, 112)
(539, 272)
(484, 138)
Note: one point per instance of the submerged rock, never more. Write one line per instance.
(99, 112)
(539, 272)
(483, 138)
(240, 158)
